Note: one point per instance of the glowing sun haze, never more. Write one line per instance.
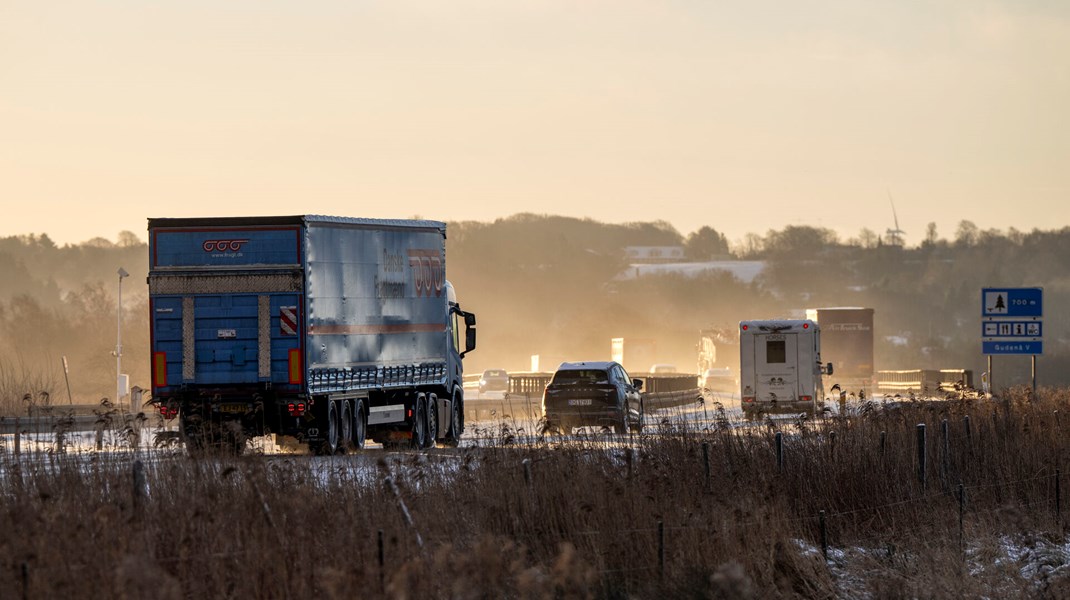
(744, 116)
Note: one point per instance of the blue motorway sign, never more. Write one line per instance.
(1012, 329)
(1012, 347)
(1012, 302)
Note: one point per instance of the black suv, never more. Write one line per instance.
(593, 393)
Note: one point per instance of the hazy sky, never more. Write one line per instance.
(744, 116)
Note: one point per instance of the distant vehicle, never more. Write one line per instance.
(847, 342)
(780, 367)
(662, 368)
(593, 393)
(718, 380)
(494, 380)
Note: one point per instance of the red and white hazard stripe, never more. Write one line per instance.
(288, 320)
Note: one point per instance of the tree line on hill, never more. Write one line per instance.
(552, 286)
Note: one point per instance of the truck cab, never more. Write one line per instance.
(780, 367)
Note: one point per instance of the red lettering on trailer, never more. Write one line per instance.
(223, 245)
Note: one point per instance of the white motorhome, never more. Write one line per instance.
(780, 367)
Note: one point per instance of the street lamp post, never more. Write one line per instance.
(119, 341)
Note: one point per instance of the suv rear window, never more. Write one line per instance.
(581, 376)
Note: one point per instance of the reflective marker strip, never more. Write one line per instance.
(159, 371)
(295, 366)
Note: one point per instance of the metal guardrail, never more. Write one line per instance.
(924, 381)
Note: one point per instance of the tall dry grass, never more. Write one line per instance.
(590, 519)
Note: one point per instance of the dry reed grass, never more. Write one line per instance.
(566, 521)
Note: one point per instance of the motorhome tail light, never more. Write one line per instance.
(748, 398)
(295, 366)
(159, 369)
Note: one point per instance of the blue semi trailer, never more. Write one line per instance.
(330, 330)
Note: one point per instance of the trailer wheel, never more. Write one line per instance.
(419, 424)
(432, 421)
(345, 424)
(360, 425)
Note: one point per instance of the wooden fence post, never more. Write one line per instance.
(661, 549)
(921, 454)
(706, 462)
(779, 451)
(824, 535)
(139, 485)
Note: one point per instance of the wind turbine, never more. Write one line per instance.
(895, 236)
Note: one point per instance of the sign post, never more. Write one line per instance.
(1012, 323)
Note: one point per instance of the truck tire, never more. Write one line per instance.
(360, 425)
(192, 428)
(345, 427)
(453, 434)
(432, 421)
(419, 424)
(328, 445)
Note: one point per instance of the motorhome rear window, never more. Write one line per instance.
(775, 351)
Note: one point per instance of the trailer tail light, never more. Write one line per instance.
(159, 369)
(807, 398)
(296, 409)
(168, 412)
(806, 326)
(748, 398)
(295, 366)
(408, 414)
(745, 327)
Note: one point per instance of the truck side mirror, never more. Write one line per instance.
(469, 340)
(470, 320)
(637, 384)
(828, 369)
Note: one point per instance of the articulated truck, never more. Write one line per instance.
(328, 330)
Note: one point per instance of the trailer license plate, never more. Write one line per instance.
(232, 408)
(579, 402)
(226, 334)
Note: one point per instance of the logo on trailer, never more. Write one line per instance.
(223, 245)
(428, 272)
(288, 320)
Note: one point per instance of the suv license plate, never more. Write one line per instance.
(579, 402)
